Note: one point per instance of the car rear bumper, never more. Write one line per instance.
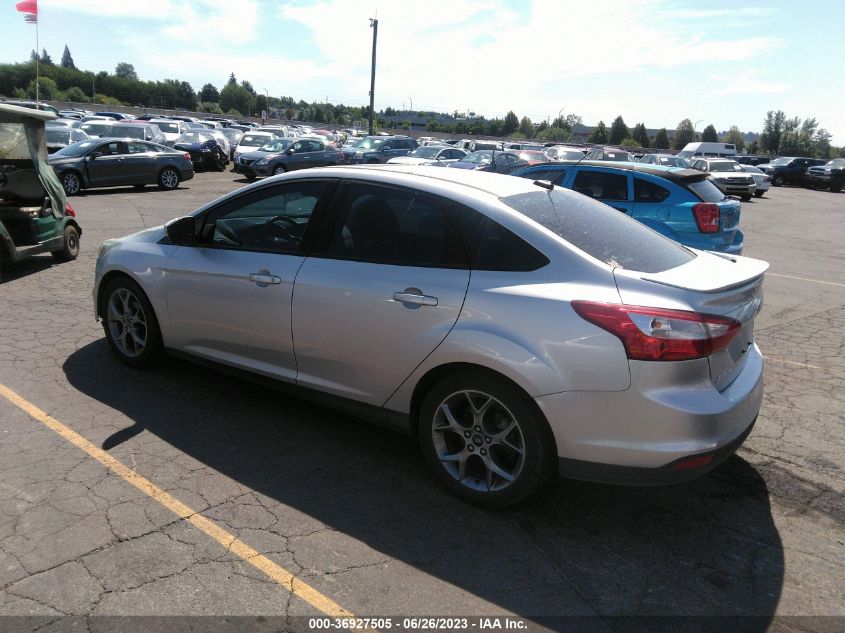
(644, 435)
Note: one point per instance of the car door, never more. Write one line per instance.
(608, 186)
(139, 163)
(229, 294)
(379, 293)
(105, 164)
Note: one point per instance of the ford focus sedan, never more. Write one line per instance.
(517, 329)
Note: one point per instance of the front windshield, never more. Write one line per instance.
(168, 128)
(369, 143)
(58, 136)
(481, 158)
(195, 137)
(781, 161)
(275, 146)
(232, 135)
(672, 161)
(426, 152)
(254, 140)
(77, 149)
(94, 129)
(724, 167)
(836, 162)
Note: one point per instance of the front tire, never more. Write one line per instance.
(777, 180)
(746, 197)
(130, 324)
(279, 170)
(168, 179)
(70, 246)
(758, 194)
(71, 183)
(485, 440)
(836, 187)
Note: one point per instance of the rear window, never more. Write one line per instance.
(706, 190)
(601, 231)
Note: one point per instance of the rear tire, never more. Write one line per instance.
(168, 179)
(70, 247)
(758, 194)
(836, 187)
(746, 197)
(71, 183)
(484, 440)
(130, 324)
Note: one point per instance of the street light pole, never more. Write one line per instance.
(374, 26)
(693, 129)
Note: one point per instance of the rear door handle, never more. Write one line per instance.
(414, 297)
(265, 279)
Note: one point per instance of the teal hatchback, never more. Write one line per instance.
(682, 204)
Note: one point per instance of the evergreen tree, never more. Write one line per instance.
(46, 60)
(709, 134)
(684, 134)
(661, 141)
(772, 131)
(618, 131)
(67, 60)
(232, 80)
(640, 135)
(526, 128)
(511, 123)
(33, 55)
(209, 94)
(599, 134)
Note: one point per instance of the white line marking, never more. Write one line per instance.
(792, 362)
(815, 281)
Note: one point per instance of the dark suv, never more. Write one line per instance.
(831, 175)
(379, 149)
(789, 170)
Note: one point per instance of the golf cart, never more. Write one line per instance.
(34, 214)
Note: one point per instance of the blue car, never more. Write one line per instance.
(679, 203)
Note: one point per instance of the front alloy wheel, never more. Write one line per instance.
(71, 183)
(130, 324)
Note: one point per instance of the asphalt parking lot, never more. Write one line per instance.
(226, 499)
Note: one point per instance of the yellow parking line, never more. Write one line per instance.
(815, 281)
(227, 540)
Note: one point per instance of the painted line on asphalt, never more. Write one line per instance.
(815, 281)
(273, 571)
(792, 362)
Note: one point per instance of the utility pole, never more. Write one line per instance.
(374, 26)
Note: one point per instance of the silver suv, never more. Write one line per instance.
(379, 149)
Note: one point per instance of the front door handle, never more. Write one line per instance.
(265, 279)
(415, 297)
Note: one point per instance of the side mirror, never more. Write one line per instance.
(181, 230)
(290, 151)
(94, 155)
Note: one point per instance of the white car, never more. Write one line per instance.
(251, 141)
(171, 128)
(762, 180)
(428, 155)
(564, 152)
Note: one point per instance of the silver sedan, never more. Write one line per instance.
(517, 329)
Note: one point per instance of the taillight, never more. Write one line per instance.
(69, 211)
(706, 216)
(658, 333)
(186, 156)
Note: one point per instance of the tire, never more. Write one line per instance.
(71, 183)
(746, 197)
(168, 179)
(777, 180)
(130, 324)
(70, 246)
(836, 187)
(758, 194)
(279, 169)
(251, 178)
(501, 447)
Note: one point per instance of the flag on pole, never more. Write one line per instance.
(30, 8)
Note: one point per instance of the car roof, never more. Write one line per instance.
(662, 171)
(15, 112)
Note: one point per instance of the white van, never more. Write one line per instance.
(721, 150)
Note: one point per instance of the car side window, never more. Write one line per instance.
(386, 147)
(553, 175)
(110, 149)
(601, 185)
(138, 148)
(647, 191)
(491, 246)
(269, 219)
(402, 227)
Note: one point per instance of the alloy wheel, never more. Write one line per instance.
(478, 441)
(169, 179)
(127, 322)
(70, 182)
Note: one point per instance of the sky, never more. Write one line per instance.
(725, 62)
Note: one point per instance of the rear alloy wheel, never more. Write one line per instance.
(70, 246)
(279, 170)
(130, 324)
(168, 179)
(777, 180)
(484, 441)
(71, 183)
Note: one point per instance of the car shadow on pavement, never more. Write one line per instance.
(703, 550)
(30, 266)
(107, 191)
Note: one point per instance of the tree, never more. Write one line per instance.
(618, 131)
(599, 134)
(232, 81)
(33, 55)
(736, 137)
(74, 94)
(67, 60)
(526, 128)
(684, 134)
(630, 142)
(710, 135)
(772, 131)
(822, 142)
(46, 60)
(248, 87)
(640, 135)
(235, 97)
(209, 94)
(511, 123)
(753, 148)
(661, 141)
(125, 71)
(798, 137)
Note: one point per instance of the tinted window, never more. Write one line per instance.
(270, 219)
(395, 226)
(706, 190)
(544, 173)
(603, 185)
(647, 191)
(138, 148)
(491, 246)
(601, 231)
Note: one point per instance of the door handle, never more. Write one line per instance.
(414, 297)
(265, 279)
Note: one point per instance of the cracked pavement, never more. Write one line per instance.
(350, 509)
